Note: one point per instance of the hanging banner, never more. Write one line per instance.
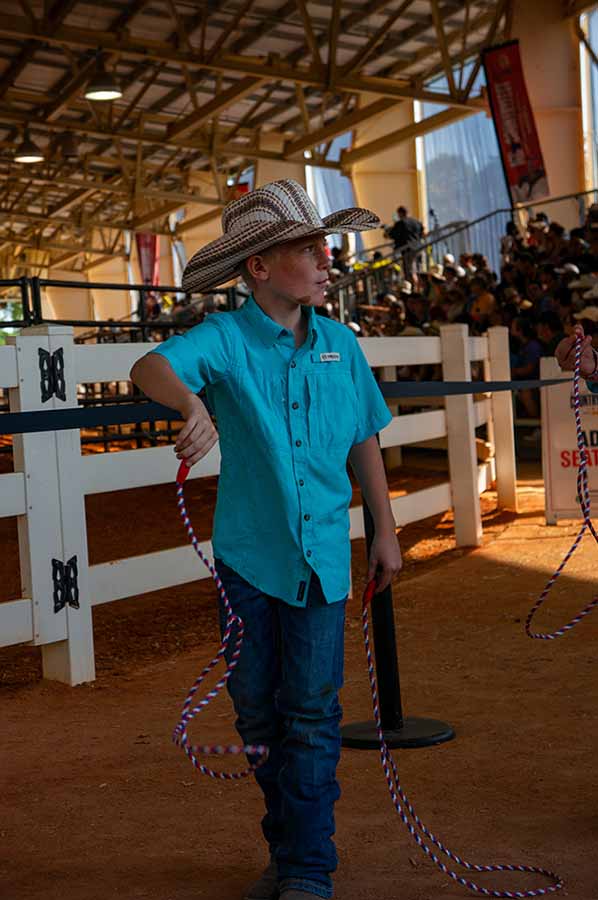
(513, 118)
(235, 191)
(148, 248)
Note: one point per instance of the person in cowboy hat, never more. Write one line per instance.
(294, 398)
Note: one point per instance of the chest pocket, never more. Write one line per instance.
(332, 411)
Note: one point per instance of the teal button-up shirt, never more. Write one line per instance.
(287, 418)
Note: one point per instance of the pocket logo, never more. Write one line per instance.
(330, 357)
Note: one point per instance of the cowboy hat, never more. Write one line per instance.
(278, 212)
(590, 312)
(436, 271)
(585, 281)
(567, 268)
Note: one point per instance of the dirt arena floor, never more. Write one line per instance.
(98, 803)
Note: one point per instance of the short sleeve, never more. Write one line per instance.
(592, 386)
(200, 356)
(372, 412)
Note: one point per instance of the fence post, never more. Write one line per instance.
(460, 426)
(53, 530)
(502, 416)
(72, 660)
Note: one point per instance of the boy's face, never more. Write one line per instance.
(294, 272)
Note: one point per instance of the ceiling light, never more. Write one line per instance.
(28, 151)
(102, 86)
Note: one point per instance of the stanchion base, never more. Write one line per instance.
(415, 732)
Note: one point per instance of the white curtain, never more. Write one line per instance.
(464, 176)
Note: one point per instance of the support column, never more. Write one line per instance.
(111, 304)
(550, 58)
(68, 303)
(390, 178)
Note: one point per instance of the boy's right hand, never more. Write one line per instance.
(565, 353)
(198, 435)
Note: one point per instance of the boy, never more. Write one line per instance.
(293, 397)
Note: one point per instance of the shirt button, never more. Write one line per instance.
(297, 443)
(301, 482)
(293, 364)
(307, 517)
(308, 552)
(295, 405)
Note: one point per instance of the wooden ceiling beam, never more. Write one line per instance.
(16, 240)
(221, 100)
(94, 186)
(56, 221)
(134, 137)
(416, 129)
(391, 42)
(442, 43)
(256, 66)
(363, 54)
(337, 126)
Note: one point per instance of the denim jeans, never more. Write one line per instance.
(285, 693)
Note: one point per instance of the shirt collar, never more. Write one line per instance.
(269, 331)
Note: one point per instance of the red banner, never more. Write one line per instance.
(148, 248)
(513, 117)
(235, 191)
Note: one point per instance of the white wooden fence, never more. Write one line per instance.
(51, 478)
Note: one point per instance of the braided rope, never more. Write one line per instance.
(583, 497)
(416, 827)
(188, 712)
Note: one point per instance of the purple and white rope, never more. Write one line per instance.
(180, 736)
(417, 829)
(583, 496)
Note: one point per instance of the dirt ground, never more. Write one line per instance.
(98, 803)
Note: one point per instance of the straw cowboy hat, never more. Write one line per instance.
(273, 214)
(590, 312)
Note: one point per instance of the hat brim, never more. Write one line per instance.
(220, 260)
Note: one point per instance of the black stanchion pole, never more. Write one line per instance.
(26, 300)
(36, 300)
(399, 730)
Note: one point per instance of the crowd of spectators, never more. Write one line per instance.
(546, 283)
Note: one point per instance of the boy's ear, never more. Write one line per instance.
(258, 267)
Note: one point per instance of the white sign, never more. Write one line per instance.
(560, 455)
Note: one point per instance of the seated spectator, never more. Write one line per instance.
(481, 263)
(550, 331)
(549, 281)
(417, 310)
(339, 260)
(482, 302)
(526, 362)
(510, 243)
(455, 303)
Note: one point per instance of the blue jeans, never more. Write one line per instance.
(285, 693)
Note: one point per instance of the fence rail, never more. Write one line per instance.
(47, 490)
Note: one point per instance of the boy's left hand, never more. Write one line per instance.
(385, 554)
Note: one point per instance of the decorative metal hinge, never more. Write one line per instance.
(66, 587)
(51, 369)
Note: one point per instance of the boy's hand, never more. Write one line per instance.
(385, 554)
(198, 435)
(565, 353)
